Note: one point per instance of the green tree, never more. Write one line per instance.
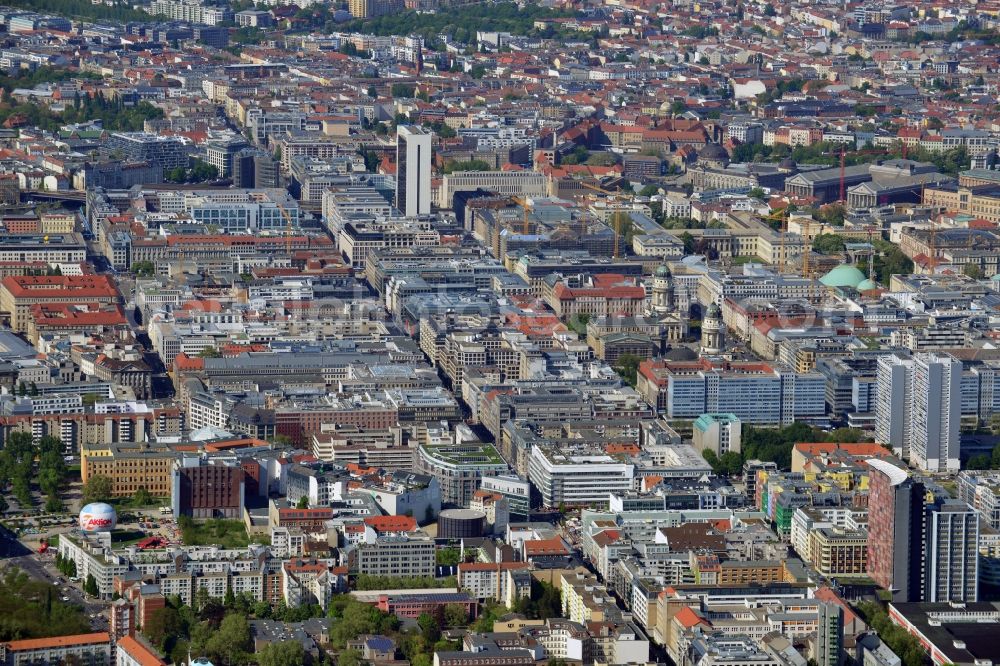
(489, 613)
(455, 615)
(649, 190)
(448, 557)
(889, 261)
(232, 642)
(602, 159)
(995, 458)
(979, 461)
(203, 171)
(403, 90)
(627, 366)
(344, 658)
(688, 241)
(90, 586)
(164, 624)
(973, 271)
(471, 165)
(97, 489)
(730, 463)
(578, 323)
(143, 268)
(430, 628)
(175, 175)
(828, 244)
(994, 424)
(142, 497)
(303, 502)
(31, 608)
(832, 214)
(284, 653)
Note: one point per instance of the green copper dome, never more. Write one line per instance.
(866, 284)
(843, 276)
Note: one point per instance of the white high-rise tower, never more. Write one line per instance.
(413, 170)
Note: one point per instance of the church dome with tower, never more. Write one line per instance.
(711, 330)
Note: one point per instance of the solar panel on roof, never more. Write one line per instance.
(380, 643)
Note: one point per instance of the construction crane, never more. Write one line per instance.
(617, 222)
(288, 229)
(932, 238)
(871, 252)
(523, 203)
(843, 166)
(806, 251)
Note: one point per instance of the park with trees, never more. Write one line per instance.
(220, 629)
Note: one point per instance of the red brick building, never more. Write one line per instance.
(415, 605)
(209, 491)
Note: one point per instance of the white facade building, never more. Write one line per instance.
(413, 170)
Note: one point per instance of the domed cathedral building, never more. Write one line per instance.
(712, 331)
(712, 170)
(713, 156)
(663, 305)
(663, 290)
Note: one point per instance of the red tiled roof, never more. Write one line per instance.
(72, 287)
(553, 546)
(58, 641)
(853, 448)
(688, 618)
(466, 567)
(139, 652)
(391, 523)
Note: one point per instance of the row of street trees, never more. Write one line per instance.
(18, 469)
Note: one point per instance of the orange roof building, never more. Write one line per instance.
(19, 292)
(806, 454)
(92, 648)
(131, 652)
(391, 524)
